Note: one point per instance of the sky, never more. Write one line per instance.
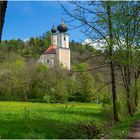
(25, 19)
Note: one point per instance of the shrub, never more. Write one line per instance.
(48, 99)
(90, 129)
(107, 113)
(86, 88)
(59, 92)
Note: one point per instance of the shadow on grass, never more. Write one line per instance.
(35, 124)
(85, 112)
(39, 128)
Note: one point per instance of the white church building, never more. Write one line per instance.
(59, 52)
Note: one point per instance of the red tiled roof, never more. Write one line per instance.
(51, 50)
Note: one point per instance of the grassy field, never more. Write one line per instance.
(41, 120)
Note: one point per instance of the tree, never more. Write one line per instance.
(127, 21)
(32, 48)
(3, 6)
(85, 84)
(112, 66)
(98, 25)
(14, 78)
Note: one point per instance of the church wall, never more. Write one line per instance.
(48, 59)
(64, 57)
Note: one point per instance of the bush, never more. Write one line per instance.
(90, 129)
(35, 100)
(59, 92)
(107, 113)
(48, 99)
(86, 88)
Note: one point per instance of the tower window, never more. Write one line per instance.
(64, 38)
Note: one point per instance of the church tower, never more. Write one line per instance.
(58, 52)
(54, 36)
(63, 50)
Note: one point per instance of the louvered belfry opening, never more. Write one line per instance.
(3, 6)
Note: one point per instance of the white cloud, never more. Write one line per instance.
(97, 44)
(100, 44)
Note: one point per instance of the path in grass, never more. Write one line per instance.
(135, 131)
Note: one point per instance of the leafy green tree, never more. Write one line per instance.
(86, 87)
(126, 34)
(13, 78)
(85, 83)
(98, 25)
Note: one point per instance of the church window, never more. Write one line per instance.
(64, 38)
(48, 61)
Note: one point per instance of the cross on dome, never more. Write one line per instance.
(62, 27)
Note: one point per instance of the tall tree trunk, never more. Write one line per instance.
(128, 72)
(128, 98)
(112, 66)
(136, 91)
(3, 6)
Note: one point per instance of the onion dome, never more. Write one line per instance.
(62, 27)
(53, 30)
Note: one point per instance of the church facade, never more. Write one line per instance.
(59, 52)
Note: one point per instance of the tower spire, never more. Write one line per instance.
(53, 30)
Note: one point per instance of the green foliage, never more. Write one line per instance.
(13, 78)
(107, 113)
(122, 128)
(59, 91)
(41, 68)
(23, 80)
(38, 81)
(85, 87)
(80, 67)
(32, 48)
(48, 99)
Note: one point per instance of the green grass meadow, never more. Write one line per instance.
(46, 121)
(41, 120)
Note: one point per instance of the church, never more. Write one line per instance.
(59, 52)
